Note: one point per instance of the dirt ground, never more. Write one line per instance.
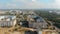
(6, 31)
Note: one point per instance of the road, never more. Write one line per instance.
(53, 25)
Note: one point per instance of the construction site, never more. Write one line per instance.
(24, 22)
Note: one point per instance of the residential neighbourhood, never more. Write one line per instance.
(29, 16)
(27, 22)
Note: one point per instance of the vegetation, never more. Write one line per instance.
(50, 16)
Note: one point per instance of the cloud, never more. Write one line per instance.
(30, 4)
(57, 2)
(33, 0)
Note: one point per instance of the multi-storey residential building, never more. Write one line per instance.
(7, 20)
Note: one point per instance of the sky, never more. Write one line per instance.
(29, 4)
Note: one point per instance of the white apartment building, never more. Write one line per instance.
(7, 20)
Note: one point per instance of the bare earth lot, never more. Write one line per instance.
(5, 31)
